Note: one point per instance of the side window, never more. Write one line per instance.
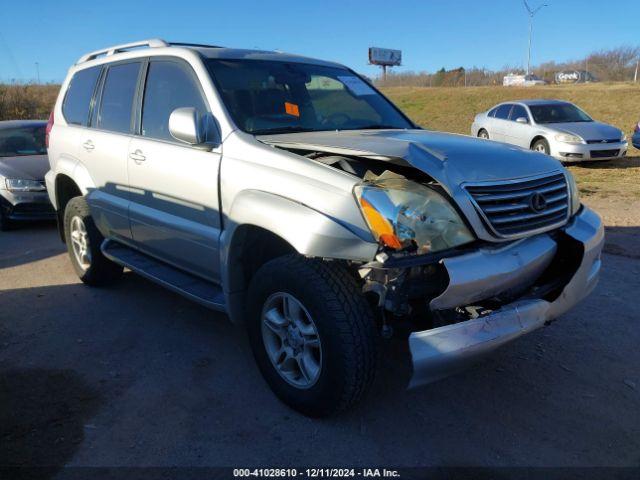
(492, 112)
(503, 111)
(519, 111)
(77, 101)
(117, 98)
(169, 86)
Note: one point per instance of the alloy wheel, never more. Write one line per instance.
(291, 340)
(80, 242)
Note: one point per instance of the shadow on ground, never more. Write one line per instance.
(42, 416)
(618, 164)
(29, 242)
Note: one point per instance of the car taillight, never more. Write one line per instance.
(48, 130)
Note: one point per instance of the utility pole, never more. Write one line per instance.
(38, 72)
(531, 13)
(635, 75)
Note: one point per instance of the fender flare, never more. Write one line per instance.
(309, 231)
(76, 171)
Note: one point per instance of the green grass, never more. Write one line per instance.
(453, 109)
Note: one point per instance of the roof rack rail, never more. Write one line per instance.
(201, 45)
(151, 43)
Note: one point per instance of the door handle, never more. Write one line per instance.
(137, 156)
(88, 145)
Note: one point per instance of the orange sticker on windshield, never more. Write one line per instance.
(291, 109)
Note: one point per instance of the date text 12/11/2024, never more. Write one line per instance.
(315, 473)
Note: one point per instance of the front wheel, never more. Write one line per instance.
(541, 146)
(312, 334)
(83, 243)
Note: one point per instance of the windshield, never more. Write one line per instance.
(22, 141)
(266, 97)
(558, 113)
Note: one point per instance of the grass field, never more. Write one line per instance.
(453, 110)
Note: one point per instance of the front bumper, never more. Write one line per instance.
(439, 352)
(26, 205)
(566, 152)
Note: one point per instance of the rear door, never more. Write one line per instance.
(106, 147)
(518, 133)
(500, 122)
(174, 187)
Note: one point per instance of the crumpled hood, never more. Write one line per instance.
(588, 130)
(450, 159)
(27, 167)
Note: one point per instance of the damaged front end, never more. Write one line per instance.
(464, 303)
(460, 291)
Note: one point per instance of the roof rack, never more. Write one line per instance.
(200, 45)
(151, 43)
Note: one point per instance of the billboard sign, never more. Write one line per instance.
(574, 76)
(384, 56)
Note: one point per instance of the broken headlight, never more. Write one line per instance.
(404, 215)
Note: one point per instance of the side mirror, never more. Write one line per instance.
(188, 126)
(522, 120)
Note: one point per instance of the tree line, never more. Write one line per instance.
(614, 65)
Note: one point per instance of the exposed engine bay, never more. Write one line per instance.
(405, 281)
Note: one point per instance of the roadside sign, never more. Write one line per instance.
(385, 56)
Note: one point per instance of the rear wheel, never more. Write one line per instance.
(483, 134)
(541, 146)
(312, 334)
(83, 243)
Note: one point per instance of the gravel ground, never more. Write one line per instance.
(135, 375)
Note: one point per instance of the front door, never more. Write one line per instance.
(499, 124)
(518, 133)
(173, 187)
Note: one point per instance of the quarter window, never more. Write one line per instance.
(77, 101)
(503, 111)
(168, 86)
(117, 98)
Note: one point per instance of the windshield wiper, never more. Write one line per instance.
(276, 130)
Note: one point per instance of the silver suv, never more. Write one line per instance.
(292, 195)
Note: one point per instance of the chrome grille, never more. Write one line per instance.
(524, 206)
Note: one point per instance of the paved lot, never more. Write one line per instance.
(135, 375)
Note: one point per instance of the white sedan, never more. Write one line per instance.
(554, 127)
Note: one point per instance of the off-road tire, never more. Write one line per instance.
(345, 326)
(101, 271)
(541, 144)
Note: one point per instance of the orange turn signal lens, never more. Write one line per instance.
(380, 226)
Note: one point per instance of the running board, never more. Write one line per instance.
(194, 288)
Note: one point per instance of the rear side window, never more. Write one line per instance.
(518, 111)
(169, 86)
(492, 112)
(117, 98)
(77, 101)
(503, 111)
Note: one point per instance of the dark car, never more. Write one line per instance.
(23, 164)
(635, 140)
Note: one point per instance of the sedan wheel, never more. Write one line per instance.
(483, 134)
(541, 146)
